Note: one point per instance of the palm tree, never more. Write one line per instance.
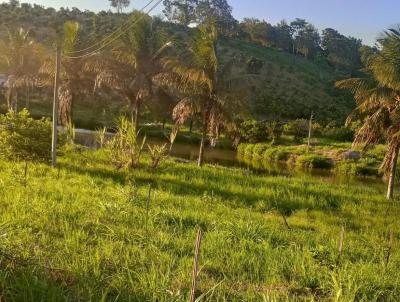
(74, 80)
(201, 75)
(20, 59)
(134, 63)
(378, 100)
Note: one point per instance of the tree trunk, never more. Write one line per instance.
(203, 137)
(9, 98)
(28, 97)
(191, 125)
(16, 101)
(392, 174)
(66, 99)
(163, 123)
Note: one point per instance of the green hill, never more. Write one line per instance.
(289, 86)
(284, 87)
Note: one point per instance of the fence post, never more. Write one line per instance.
(195, 265)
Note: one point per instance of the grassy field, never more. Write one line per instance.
(79, 234)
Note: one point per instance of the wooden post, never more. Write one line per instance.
(55, 109)
(195, 266)
(310, 131)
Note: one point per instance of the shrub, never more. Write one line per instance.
(298, 128)
(342, 134)
(276, 154)
(248, 153)
(254, 65)
(124, 147)
(101, 137)
(24, 139)
(313, 161)
(157, 154)
(252, 131)
(275, 131)
(258, 150)
(364, 167)
(240, 150)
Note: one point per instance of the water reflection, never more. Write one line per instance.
(230, 158)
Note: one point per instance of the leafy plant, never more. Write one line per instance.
(275, 131)
(298, 128)
(253, 131)
(342, 134)
(101, 136)
(313, 161)
(124, 147)
(71, 133)
(24, 139)
(157, 154)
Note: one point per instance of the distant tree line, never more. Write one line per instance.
(298, 37)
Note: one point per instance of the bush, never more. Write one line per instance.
(24, 139)
(258, 150)
(248, 152)
(298, 128)
(313, 161)
(240, 150)
(275, 131)
(276, 154)
(254, 65)
(363, 167)
(342, 134)
(157, 154)
(124, 146)
(252, 131)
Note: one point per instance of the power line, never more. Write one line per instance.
(119, 35)
(109, 36)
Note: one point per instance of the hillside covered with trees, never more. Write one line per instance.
(290, 68)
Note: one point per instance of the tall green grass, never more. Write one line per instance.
(79, 234)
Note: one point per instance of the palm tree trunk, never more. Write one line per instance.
(203, 137)
(9, 98)
(392, 174)
(191, 125)
(16, 101)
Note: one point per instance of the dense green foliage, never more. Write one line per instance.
(313, 161)
(323, 154)
(23, 138)
(82, 235)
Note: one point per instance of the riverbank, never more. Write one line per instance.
(338, 157)
(82, 233)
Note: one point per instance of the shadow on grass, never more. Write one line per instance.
(188, 182)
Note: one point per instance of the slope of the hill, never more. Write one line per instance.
(288, 86)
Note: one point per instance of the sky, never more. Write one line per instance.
(364, 19)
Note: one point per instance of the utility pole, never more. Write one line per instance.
(55, 109)
(310, 131)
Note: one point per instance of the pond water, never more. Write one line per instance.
(229, 158)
